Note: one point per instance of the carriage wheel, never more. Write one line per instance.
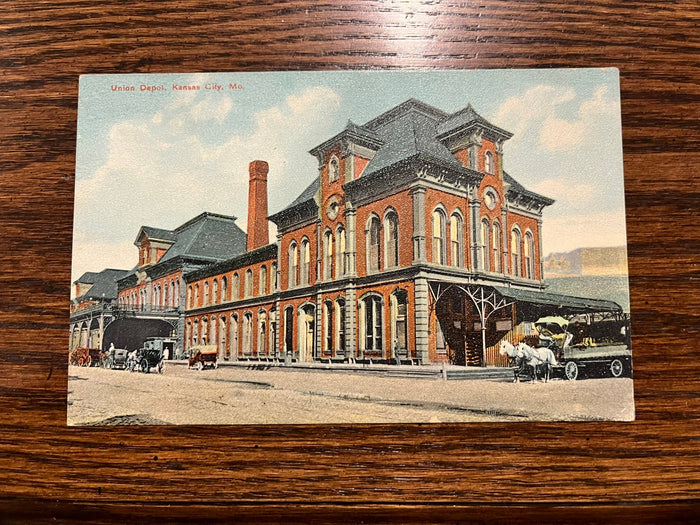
(616, 368)
(571, 370)
(144, 366)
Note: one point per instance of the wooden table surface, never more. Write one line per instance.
(646, 471)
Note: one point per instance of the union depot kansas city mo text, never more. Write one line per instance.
(412, 243)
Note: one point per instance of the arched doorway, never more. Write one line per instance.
(307, 330)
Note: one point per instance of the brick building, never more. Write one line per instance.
(412, 243)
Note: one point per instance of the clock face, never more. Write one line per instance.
(490, 198)
(332, 208)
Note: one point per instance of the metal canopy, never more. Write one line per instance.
(562, 303)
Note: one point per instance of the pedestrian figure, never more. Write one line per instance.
(397, 349)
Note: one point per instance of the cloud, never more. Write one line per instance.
(517, 114)
(164, 169)
(566, 194)
(540, 112)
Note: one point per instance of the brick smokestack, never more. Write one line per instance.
(257, 205)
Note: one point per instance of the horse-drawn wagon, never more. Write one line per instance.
(586, 348)
(83, 356)
(572, 349)
(116, 358)
(203, 356)
(150, 355)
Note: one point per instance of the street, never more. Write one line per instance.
(275, 395)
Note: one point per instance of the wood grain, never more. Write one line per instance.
(648, 471)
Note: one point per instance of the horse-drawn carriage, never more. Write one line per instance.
(203, 356)
(83, 356)
(116, 358)
(571, 349)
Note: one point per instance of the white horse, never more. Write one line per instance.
(537, 357)
(515, 356)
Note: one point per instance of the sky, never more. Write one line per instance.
(158, 156)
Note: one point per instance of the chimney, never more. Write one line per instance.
(257, 205)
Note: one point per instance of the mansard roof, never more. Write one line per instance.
(155, 234)
(468, 118)
(410, 133)
(104, 284)
(206, 238)
(87, 278)
(413, 130)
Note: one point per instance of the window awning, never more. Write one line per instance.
(558, 302)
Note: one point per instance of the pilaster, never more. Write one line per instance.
(422, 313)
(419, 250)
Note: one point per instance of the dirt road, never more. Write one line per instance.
(232, 395)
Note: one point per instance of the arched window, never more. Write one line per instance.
(215, 292)
(328, 321)
(399, 323)
(263, 280)
(205, 331)
(515, 241)
(305, 261)
(488, 162)
(222, 339)
(235, 287)
(340, 251)
(371, 326)
(195, 332)
(248, 284)
(233, 339)
(327, 256)
(529, 254)
(373, 252)
(484, 245)
(391, 239)
(340, 327)
(196, 295)
(439, 255)
(456, 235)
(213, 340)
(273, 277)
(224, 289)
(293, 264)
(333, 169)
(262, 333)
(247, 338)
(206, 293)
(496, 246)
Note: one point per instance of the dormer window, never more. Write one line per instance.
(488, 162)
(333, 169)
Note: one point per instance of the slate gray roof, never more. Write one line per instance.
(104, 284)
(463, 119)
(409, 135)
(410, 130)
(87, 278)
(208, 236)
(158, 234)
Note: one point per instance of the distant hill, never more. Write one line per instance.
(610, 261)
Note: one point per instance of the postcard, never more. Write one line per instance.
(349, 247)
